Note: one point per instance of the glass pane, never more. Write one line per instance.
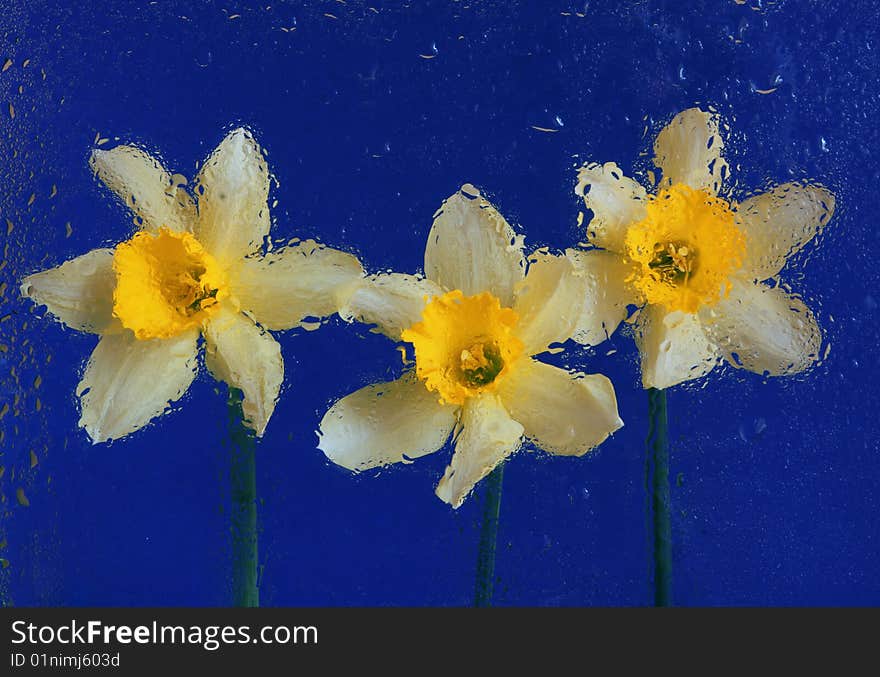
(370, 117)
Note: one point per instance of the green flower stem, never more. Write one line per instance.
(243, 473)
(489, 539)
(657, 486)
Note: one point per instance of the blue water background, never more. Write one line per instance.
(775, 482)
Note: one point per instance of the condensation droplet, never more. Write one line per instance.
(432, 52)
(310, 325)
(22, 499)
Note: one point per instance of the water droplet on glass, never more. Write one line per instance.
(431, 53)
(204, 58)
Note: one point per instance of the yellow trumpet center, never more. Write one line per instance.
(464, 344)
(685, 249)
(166, 283)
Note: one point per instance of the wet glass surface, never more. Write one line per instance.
(371, 116)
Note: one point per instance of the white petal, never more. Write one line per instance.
(488, 436)
(390, 301)
(248, 358)
(563, 413)
(294, 283)
(233, 189)
(548, 302)
(765, 330)
(673, 346)
(128, 382)
(777, 224)
(154, 196)
(606, 294)
(688, 150)
(385, 423)
(79, 292)
(615, 200)
(472, 248)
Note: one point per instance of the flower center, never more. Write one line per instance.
(685, 249)
(674, 262)
(464, 344)
(481, 363)
(165, 284)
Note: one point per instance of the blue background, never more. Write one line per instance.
(775, 481)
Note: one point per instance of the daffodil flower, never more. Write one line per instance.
(194, 267)
(474, 322)
(696, 260)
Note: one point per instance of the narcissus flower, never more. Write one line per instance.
(474, 324)
(696, 260)
(194, 267)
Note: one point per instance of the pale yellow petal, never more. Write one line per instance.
(689, 149)
(472, 248)
(778, 223)
(385, 423)
(765, 330)
(615, 200)
(154, 196)
(564, 413)
(390, 301)
(606, 294)
(247, 358)
(548, 302)
(128, 382)
(79, 292)
(488, 436)
(292, 284)
(673, 346)
(233, 190)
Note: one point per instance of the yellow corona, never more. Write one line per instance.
(464, 345)
(685, 249)
(165, 284)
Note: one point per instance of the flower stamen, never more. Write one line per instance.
(481, 363)
(674, 261)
